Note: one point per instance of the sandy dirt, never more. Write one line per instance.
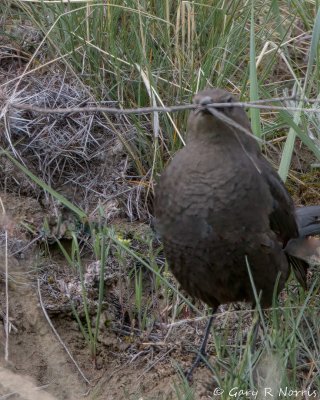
(38, 366)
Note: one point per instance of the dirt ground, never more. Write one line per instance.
(38, 365)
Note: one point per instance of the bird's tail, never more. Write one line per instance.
(305, 247)
(308, 219)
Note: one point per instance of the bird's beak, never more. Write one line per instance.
(203, 102)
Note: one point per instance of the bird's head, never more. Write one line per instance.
(204, 119)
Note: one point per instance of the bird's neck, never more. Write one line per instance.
(222, 137)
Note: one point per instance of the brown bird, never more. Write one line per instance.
(220, 206)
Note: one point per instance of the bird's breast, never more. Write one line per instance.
(215, 194)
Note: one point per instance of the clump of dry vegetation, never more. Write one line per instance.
(79, 154)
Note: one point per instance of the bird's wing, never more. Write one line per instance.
(282, 218)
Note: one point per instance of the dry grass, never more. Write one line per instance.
(79, 155)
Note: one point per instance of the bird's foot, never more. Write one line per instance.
(199, 358)
(202, 351)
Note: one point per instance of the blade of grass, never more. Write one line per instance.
(254, 112)
(104, 255)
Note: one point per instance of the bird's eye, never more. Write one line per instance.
(229, 100)
(228, 109)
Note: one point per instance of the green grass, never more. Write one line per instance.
(122, 51)
(161, 52)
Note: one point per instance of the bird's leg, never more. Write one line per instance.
(202, 350)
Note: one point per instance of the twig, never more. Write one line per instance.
(7, 323)
(147, 110)
(155, 363)
(11, 326)
(223, 314)
(57, 335)
(184, 321)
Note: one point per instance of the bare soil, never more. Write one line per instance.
(128, 366)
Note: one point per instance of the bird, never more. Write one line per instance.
(221, 208)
